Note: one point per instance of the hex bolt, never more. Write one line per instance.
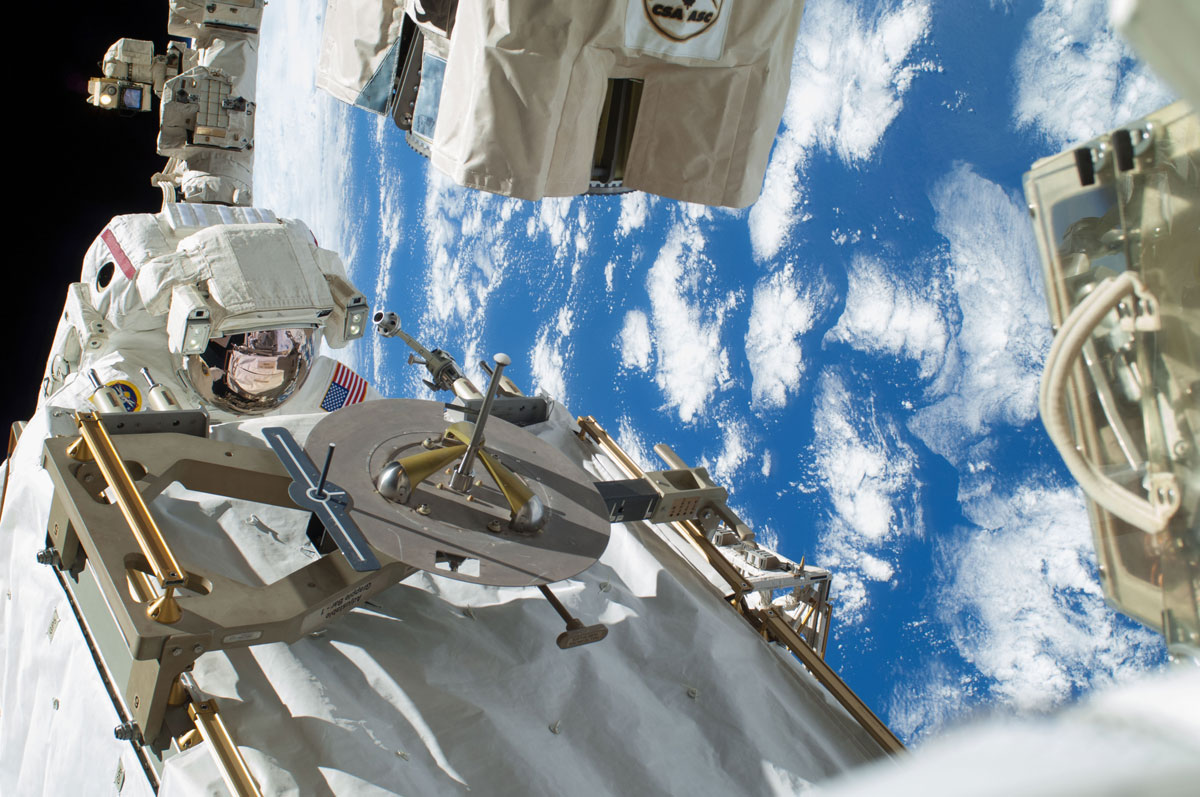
(197, 649)
(48, 556)
(127, 732)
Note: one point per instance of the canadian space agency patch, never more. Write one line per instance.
(681, 28)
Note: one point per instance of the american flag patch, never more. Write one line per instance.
(345, 388)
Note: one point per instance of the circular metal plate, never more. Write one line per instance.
(442, 531)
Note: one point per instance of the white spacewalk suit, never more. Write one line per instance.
(152, 281)
(267, 299)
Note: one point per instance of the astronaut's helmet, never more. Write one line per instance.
(253, 372)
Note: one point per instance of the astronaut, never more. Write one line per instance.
(227, 308)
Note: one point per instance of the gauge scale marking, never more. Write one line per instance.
(329, 502)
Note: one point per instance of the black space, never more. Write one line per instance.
(72, 168)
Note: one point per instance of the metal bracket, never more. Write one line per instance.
(218, 612)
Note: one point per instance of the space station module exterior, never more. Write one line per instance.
(436, 686)
(527, 87)
(433, 687)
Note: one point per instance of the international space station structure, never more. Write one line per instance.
(531, 99)
(207, 521)
(232, 565)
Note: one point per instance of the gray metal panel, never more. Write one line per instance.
(372, 434)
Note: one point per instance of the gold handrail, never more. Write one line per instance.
(225, 752)
(767, 621)
(150, 540)
(775, 628)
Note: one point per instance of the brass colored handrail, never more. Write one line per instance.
(225, 752)
(150, 540)
(775, 628)
(768, 621)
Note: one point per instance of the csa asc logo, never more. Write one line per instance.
(681, 20)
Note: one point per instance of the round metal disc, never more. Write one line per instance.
(463, 536)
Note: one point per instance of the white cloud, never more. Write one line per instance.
(849, 77)
(884, 314)
(868, 473)
(993, 364)
(473, 244)
(635, 207)
(936, 698)
(392, 234)
(551, 218)
(1076, 77)
(632, 443)
(1023, 604)
(467, 257)
(303, 176)
(875, 568)
(548, 358)
(547, 362)
(687, 318)
(780, 313)
(636, 346)
(737, 446)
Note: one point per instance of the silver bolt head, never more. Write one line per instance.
(502, 359)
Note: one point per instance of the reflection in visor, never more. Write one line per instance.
(254, 372)
(264, 362)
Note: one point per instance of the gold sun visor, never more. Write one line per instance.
(1118, 229)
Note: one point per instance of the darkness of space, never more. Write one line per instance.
(74, 168)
